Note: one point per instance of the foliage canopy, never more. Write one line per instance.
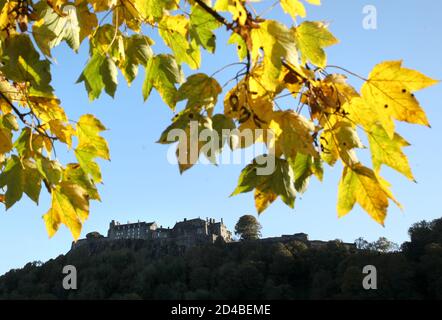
(322, 124)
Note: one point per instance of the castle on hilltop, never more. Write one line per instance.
(185, 233)
(188, 233)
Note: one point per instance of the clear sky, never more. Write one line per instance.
(140, 184)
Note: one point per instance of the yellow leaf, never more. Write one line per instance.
(388, 93)
(277, 43)
(386, 150)
(338, 141)
(296, 8)
(70, 206)
(235, 7)
(360, 185)
(5, 140)
(292, 134)
(311, 38)
(62, 131)
(263, 199)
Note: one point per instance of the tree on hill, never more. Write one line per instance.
(248, 228)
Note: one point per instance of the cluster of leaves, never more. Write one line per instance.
(276, 60)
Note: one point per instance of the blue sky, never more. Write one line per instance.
(139, 183)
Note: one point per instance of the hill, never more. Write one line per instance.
(139, 269)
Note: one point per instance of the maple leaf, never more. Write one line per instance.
(70, 206)
(174, 31)
(293, 134)
(389, 95)
(163, 73)
(360, 185)
(388, 151)
(296, 8)
(53, 27)
(277, 42)
(268, 186)
(311, 38)
(91, 145)
(20, 176)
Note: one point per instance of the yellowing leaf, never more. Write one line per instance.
(174, 31)
(137, 52)
(70, 206)
(304, 166)
(338, 141)
(293, 134)
(200, 91)
(269, 183)
(53, 27)
(163, 73)
(386, 150)
(263, 199)
(5, 140)
(360, 185)
(277, 43)
(388, 93)
(201, 29)
(20, 176)
(91, 145)
(100, 73)
(295, 7)
(311, 38)
(235, 7)
(22, 63)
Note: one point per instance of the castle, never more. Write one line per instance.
(185, 233)
(188, 233)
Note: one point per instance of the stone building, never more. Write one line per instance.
(137, 230)
(185, 233)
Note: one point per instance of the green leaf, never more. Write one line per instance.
(21, 63)
(100, 73)
(109, 74)
(52, 28)
(241, 45)
(154, 9)
(202, 25)
(311, 38)
(280, 182)
(20, 176)
(223, 126)
(304, 166)
(5, 140)
(199, 90)
(76, 175)
(163, 73)
(51, 170)
(174, 31)
(137, 52)
(386, 150)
